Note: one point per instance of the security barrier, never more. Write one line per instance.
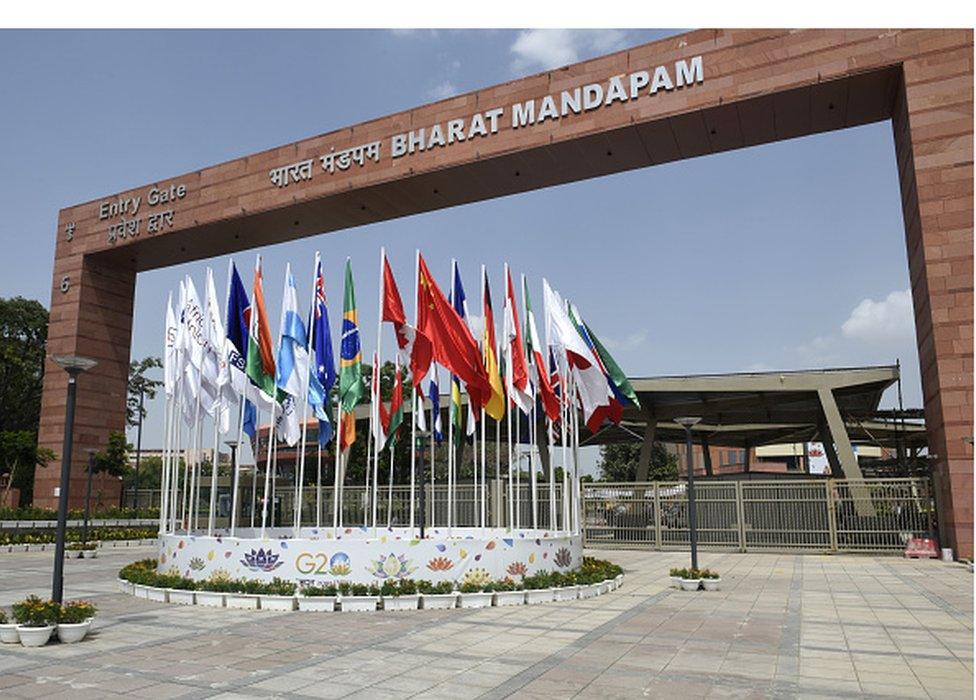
(815, 515)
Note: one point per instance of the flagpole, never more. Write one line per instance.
(318, 482)
(518, 471)
(531, 415)
(211, 515)
(338, 449)
(433, 442)
(563, 412)
(254, 475)
(450, 459)
(532, 474)
(418, 402)
(498, 464)
(164, 482)
(484, 354)
(552, 475)
(484, 466)
(577, 494)
(367, 499)
(474, 459)
(299, 487)
(235, 479)
(389, 493)
(374, 405)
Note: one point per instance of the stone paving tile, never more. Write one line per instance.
(783, 626)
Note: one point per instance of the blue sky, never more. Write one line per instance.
(784, 256)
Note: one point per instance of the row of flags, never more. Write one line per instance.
(212, 368)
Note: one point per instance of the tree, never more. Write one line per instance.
(23, 341)
(19, 455)
(619, 463)
(114, 459)
(139, 383)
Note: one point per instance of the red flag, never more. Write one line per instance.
(612, 413)
(415, 346)
(452, 344)
(519, 390)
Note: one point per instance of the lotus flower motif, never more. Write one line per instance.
(196, 563)
(563, 557)
(261, 560)
(339, 564)
(477, 577)
(440, 564)
(517, 568)
(391, 566)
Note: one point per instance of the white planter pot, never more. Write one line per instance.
(140, 591)
(606, 586)
(403, 602)
(506, 598)
(34, 636)
(439, 601)
(89, 554)
(359, 603)
(8, 634)
(157, 594)
(72, 554)
(591, 591)
(711, 584)
(539, 595)
(325, 603)
(690, 584)
(69, 634)
(481, 599)
(619, 580)
(675, 582)
(282, 603)
(567, 593)
(211, 599)
(242, 601)
(125, 587)
(180, 597)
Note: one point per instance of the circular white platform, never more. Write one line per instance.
(359, 555)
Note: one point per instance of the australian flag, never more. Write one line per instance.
(323, 377)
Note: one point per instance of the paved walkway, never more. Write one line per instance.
(783, 626)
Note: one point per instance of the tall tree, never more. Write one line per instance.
(619, 463)
(19, 455)
(23, 340)
(139, 383)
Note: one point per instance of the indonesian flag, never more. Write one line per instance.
(415, 348)
(452, 344)
(516, 371)
(549, 401)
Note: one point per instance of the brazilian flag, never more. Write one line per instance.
(351, 386)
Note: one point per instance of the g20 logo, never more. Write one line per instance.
(320, 564)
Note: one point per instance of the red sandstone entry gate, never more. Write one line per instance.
(697, 93)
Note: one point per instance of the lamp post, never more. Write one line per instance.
(73, 365)
(422, 436)
(687, 422)
(232, 444)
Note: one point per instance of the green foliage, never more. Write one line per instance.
(472, 587)
(33, 611)
(694, 573)
(406, 586)
(329, 589)
(19, 456)
(23, 339)
(3, 618)
(113, 513)
(140, 383)
(76, 611)
(279, 586)
(74, 535)
(82, 546)
(114, 459)
(618, 463)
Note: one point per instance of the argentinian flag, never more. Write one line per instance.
(292, 361)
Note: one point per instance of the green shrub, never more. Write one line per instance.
(3, 618)
(407, 586)
(76, 611)
(33, 611)
(389, 589)
(708, 573)
(328, 589)
(345, 588)
(359, 589)
(443, 587)
(279, 586)
(471, 587)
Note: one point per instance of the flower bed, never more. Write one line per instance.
(141, 579)
(74, 535)
(36, 619)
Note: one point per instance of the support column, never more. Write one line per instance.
(932, 121)
(91, 317)
(845, 452)
(647, 448)
(706, 455)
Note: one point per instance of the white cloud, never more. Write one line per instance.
(540, 49)
(442, 90)
(631, 342)
(886, 321)
(819, 352)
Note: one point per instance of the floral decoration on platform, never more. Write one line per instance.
(476, 577)
(563, 557)
(196, 563)
(391, 566)
(261, 560)
(440, 564)
(517, 568)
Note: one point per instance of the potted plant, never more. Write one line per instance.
(81, 550)
(74, 621)
(361, 598)
(278, 595)
(710, 580)
(508, 592)
(400, 595)
(690, 580)
(318, 598)
(245, 595)
(565, 586)
(35, 620)
(677, 574)
(539, 588)
(474, 595)
(437, 596)
(8, 630)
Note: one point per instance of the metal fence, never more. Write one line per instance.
(816, 515)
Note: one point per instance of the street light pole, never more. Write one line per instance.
(74, 366)
(91, 465)
(687, 423)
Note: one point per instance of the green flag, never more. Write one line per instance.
(351, 387)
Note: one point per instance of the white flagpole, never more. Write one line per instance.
(509, 406)
(417, 405)
(564, 413)
(484, 466)
(164, 482)
(211, 515)
(450, 458)
(254, 475)
(577, 493)
(474, 461)
(552, 476)
(299, 487)
(498, 464)
(374, 400)
(532, 475)
(318, 481)
(518, 471)
(367, 496)
(433, 447)
(389, 494)
(235, 479)
(338, 450)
